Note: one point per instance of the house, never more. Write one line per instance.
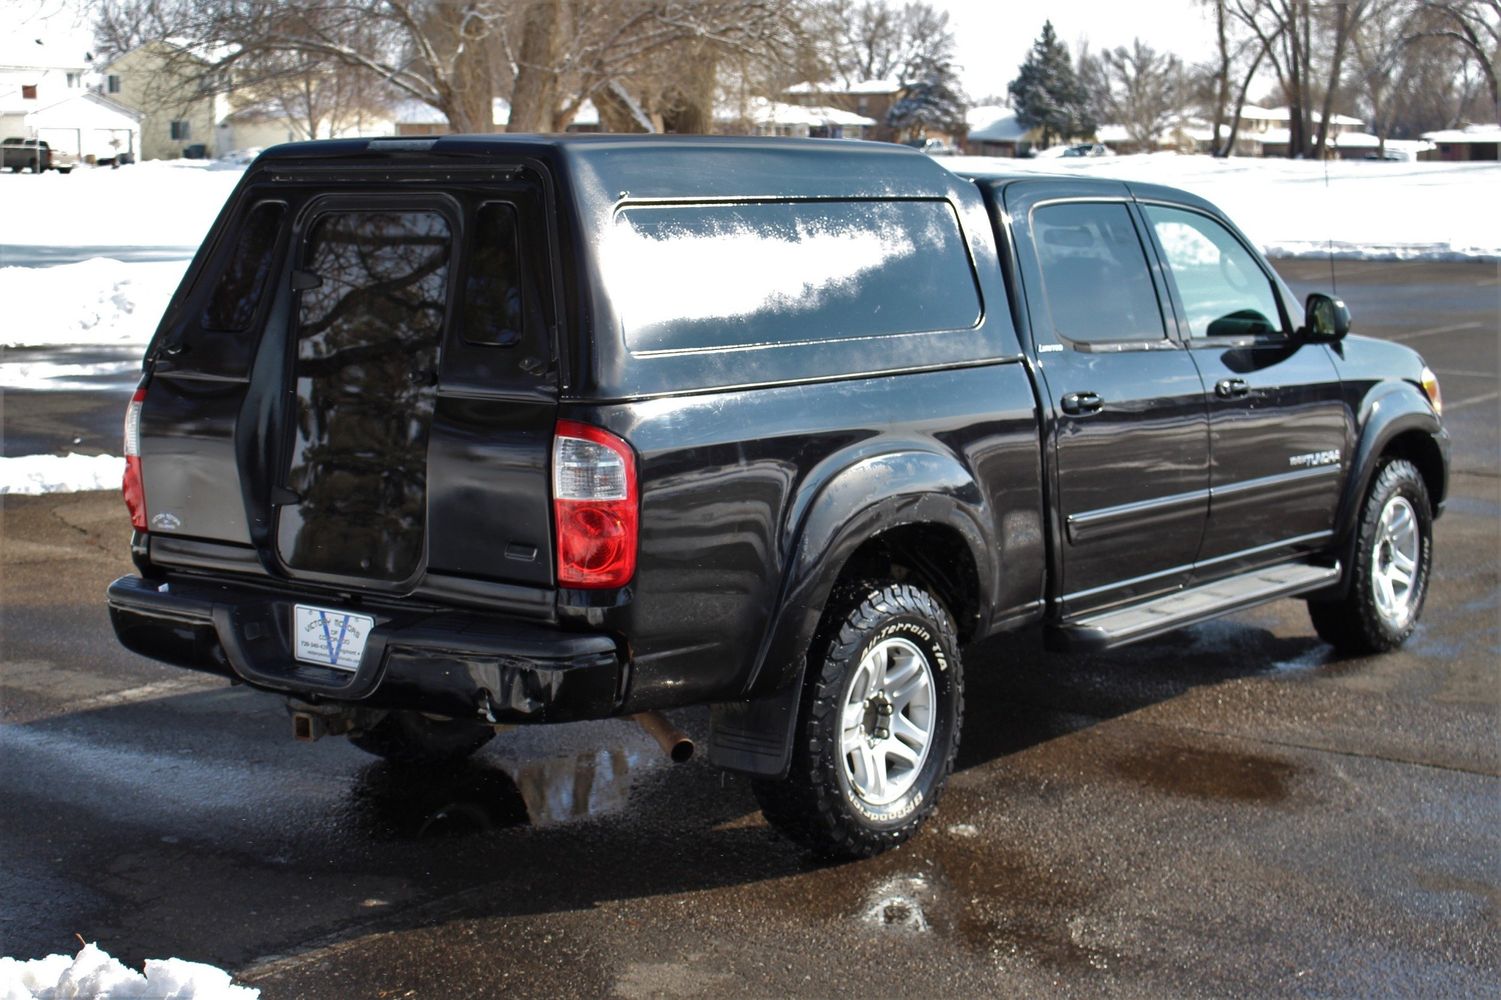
(44, 94)
(36, 73)
(995, 131)
(1473, 142)
(186, 113)
(871, 99)
(89, 126)
(1268, 131)
(160, 80)
(758, 116)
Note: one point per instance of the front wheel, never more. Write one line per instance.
(1393, 556)
(878, 729)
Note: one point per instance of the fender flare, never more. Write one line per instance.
(864, 498)
(1389, 411)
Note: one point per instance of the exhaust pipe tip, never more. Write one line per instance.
(681, 751)
(677, 744)
(305, 727)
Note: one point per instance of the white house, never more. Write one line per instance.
(759, 116)
(36, 73)
(89, 126)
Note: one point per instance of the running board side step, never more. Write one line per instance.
(1118, 626)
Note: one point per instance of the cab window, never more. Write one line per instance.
(1223, 290)
(1095, 275)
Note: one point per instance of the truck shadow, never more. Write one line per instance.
(546, 822)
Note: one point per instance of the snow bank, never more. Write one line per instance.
(93, 975)
(1358, 209)
(157, 203)
(94, 302)
(31, 475)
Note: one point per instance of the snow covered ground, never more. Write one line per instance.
(1292, 208)
(94, 975)
(1356, 209)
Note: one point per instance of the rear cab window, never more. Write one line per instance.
(1090, 254)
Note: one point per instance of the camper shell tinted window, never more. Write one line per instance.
(727, 277)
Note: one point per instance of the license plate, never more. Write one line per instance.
(329, 638)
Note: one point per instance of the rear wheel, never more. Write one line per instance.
(878, 729)
(414, 738)
(1393, 556)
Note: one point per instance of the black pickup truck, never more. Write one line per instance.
(35, 155)
(440, 436)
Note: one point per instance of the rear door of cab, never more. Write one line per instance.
(1124, 426)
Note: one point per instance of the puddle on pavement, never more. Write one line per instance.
(897, 903)
(1209, 774)
(480, 796)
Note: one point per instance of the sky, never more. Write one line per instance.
(994, 36)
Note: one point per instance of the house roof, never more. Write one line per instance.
(1470, 133)
(834, 87)
(85, 110)
(994, 123)
(1253, 113)
(764, 112)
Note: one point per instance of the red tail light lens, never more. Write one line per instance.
(595, 506)
(133, 488)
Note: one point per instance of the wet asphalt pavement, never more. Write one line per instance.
(1227, 810)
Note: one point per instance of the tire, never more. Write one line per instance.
(1393, 559)
(413, 738)
(859, 782)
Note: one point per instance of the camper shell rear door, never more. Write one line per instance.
(357, 383)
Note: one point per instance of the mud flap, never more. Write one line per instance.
(755, 736)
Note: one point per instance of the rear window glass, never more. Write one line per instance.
(690, 278)
(1095, 273)
(231, 307)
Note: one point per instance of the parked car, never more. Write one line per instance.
(35, 155)
(933, 147)
(442, 435)
(1089, 149)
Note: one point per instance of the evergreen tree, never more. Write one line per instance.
(933, 102)
(1047, 94)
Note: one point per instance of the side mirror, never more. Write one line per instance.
(1325, 320)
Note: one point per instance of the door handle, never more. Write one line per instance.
(1231, 388)
(1078, 403)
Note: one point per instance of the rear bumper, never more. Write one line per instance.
(452, 663)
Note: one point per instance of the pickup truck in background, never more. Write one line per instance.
(444, 435)
(35, 155)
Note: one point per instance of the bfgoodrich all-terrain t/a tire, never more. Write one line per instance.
(878, 726)
(1393, 557)
(413, 738)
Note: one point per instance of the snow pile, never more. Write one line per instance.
(159, 203)
(94, 302)
(94, 975)
(31, 475)
(1356, 209)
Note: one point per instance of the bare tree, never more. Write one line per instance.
(547, 56)
(1475, 25)
(1144, 89)
(877, 40)
(1295, 35)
